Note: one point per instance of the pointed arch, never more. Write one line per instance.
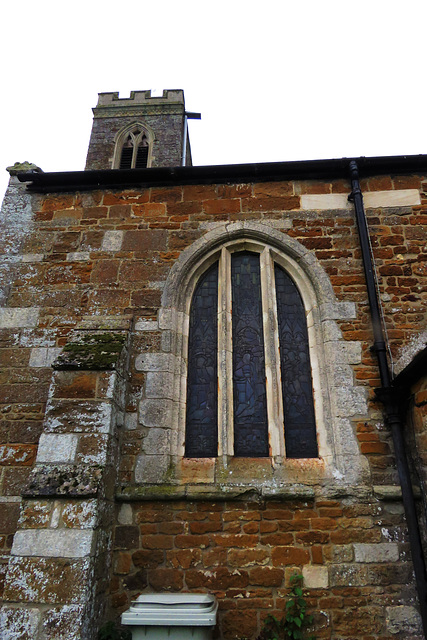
(133, 147)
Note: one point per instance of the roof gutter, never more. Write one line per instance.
(269, 171)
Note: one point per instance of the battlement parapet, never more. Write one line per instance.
(112, 99)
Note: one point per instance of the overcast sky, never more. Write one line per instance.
(274, 80)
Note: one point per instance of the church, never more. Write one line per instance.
(212, 378)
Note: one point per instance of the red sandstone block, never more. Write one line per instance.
(19, 455)
(172, 528)
(312, 537)
(268, 527)
(284, 203)
(157, 541)
(184, 558)
(266, 576)
(215, 557)
(289, 555)
(53, 203)
(147, 558)
(220, 578)
(251, 527)
(166, 194)
(212, 207)
(248, 557)
(235, 540)
(105, 271)
(278, 539)
(192, 541)
(317, 243)
(75, 384)
(204, 527)
(323, 523)
(199, 192)
(375, 447)
(166, 579)
(273, 189)
(125, 197)
(243, 624)
(234, 190)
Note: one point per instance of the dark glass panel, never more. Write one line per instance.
(297, 386)
(201, 439)
(141, 157)
(249, 394)
(126, 158)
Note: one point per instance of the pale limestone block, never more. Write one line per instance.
(351, 401)
(157, 441)
(64, 622)
(112, 241)
(403, 619)
(349, 575)
(337, 310)
(325, 201)
(125, 514)
(18, 317)
(392, 198)
(347, 352)
(18, 623)
(151, 469)
(82, 514)
(32, 257)
(345, 439)
(57, 447)
(343, 375)
(53, 543)
(155, 413)
(159, 385)
(131, 421)
(416, 344)
(331, 331)
(381, 552)
(78, 256)
(44, 356)
(56, 515)
(146, 325)
(315, 577)
(154, 362)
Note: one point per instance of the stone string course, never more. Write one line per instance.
(98, 261)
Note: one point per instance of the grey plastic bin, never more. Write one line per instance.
(172, 616)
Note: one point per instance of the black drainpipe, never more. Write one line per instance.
(389, 396)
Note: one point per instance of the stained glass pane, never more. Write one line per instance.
(297, 387)
(249, 395)
(202, 386)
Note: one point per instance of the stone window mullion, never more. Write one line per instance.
(225, 358)
(272, 356)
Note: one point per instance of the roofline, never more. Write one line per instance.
(210, 174)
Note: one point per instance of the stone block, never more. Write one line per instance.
(78, 256)
(156, 413)
(151, 469)
(53, 543)
(19, 623)
(392, 198)
(112, 241)
(80, 514)
(382, 552)
(45, 581)
(157, 441)
(80, 417)
(403, 619)
(351, 401)
(325, 201)
(154, 362)
(62, 623)
(15, 318)
(315, 577)
(57, 447)
(43, 356)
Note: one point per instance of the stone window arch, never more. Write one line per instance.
(133, 147)
(338, 400)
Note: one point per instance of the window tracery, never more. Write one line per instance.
(133, 148)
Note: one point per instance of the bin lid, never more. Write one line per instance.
(172, 609)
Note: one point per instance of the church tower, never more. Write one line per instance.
(140, 131)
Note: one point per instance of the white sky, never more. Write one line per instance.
(274, 80)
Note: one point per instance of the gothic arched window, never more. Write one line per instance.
(133, 147)
(249, 370)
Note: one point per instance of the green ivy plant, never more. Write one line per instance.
(295, 620)
(110, 631)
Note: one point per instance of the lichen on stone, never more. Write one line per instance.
(93, 351)
(64, 480)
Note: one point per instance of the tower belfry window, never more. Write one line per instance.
(134, 154)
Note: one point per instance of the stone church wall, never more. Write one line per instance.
(87, 260)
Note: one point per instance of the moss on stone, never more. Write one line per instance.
(94, 351)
